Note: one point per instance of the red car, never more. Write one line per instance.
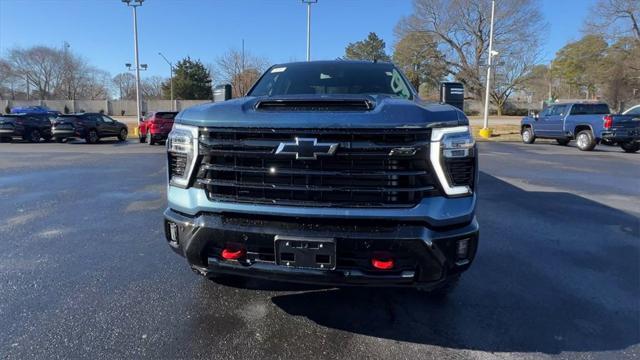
(156, 126)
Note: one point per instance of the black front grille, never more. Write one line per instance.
(370, 168)
(177, 164)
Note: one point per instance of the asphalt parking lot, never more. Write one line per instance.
(85, 271)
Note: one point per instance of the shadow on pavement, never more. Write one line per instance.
(554, 273)
(264, 285)
(114, 142)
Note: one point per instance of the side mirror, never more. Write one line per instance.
(222, 93)
(452, 93)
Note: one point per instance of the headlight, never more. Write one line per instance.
(182, 150)
(452, 155)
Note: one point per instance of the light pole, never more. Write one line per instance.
(485, 132)
(309, 2)
(171, 78)
(134, 5)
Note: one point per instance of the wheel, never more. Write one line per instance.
(60, 140)
(150, 138)
(585, 140)
(630, 147)
(92, 137)
(34, 136)
(122, 136)
(47, 138)
(6, 139)
(527, 136)
(563, 142)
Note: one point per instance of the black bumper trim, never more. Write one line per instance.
(277, 272)
(621, 136)
(433, 251)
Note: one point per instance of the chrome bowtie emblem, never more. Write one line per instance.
(306, 148)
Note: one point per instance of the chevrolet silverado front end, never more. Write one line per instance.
(327, 172)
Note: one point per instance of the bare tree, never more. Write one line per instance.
(240, 71)
(125, 83)
(8, 81)
(152, 87)
(461, 28)
(615, 18)
(94, 85)
(40, 66)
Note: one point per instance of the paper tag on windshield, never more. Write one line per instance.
(278, 70)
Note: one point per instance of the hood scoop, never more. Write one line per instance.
(315, 105)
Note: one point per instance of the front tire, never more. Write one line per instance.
(60, 140)
(585, 140)
(34, 136)
(563, 142)
(92, 137)
(528, 137)
(122, 136)
(150, 138)
(630, 147)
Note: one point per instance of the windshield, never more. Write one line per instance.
(332, 78)
(166, 115)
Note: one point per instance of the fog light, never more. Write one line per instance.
(382, 261)
(463, 249)
(173, 232)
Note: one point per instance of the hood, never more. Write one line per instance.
(327, 111)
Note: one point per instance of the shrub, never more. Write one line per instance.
(471, 112)
(101, 111)
(515, 112)
(122, 112)
(66, 109)
(7, 110)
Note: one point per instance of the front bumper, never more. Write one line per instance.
(426, 255)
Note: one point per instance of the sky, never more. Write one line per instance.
(102, 30)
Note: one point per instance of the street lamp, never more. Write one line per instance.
(485, 132)
(143, 67)
(309, 2)
(134, 4)
(171, 72)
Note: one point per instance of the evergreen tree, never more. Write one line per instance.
(191, 81)
(371, 48)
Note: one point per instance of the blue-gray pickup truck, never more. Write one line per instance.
(327, 172)
(587, 123)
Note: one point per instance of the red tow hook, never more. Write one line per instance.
(382, 260)
(233, 254)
